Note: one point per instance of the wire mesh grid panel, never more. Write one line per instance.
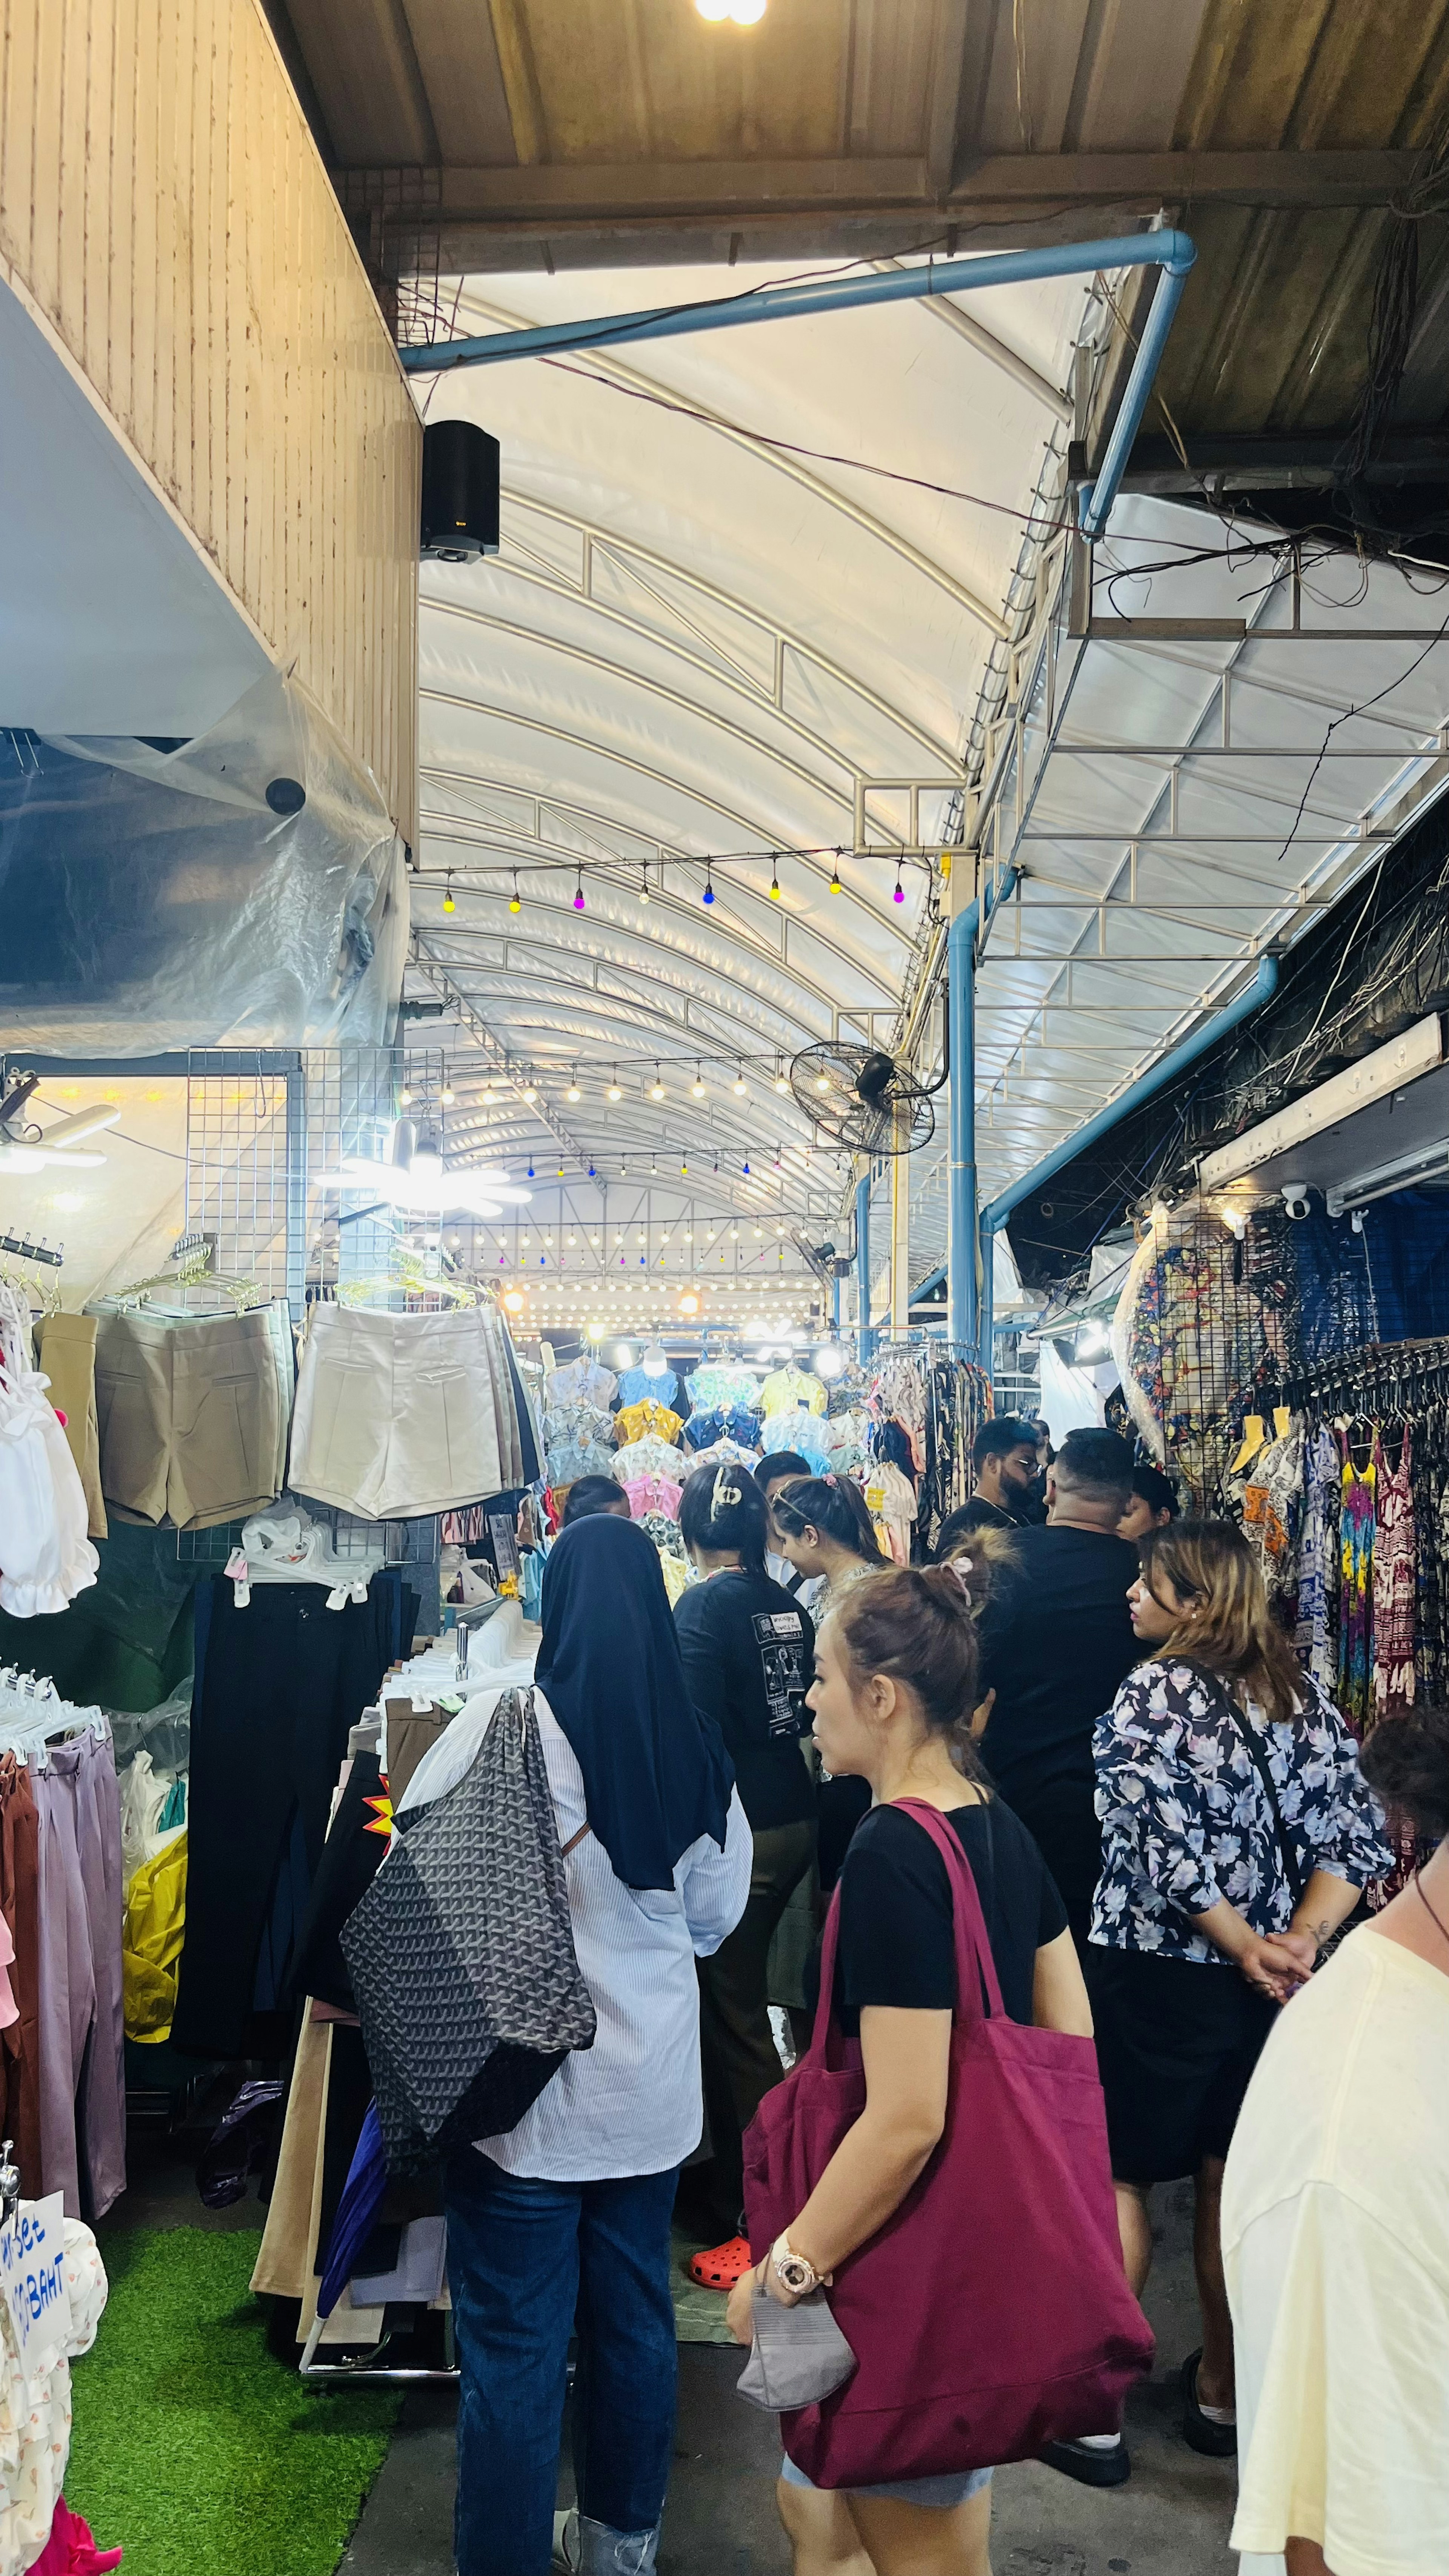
(237, 1163)
(354, 1096)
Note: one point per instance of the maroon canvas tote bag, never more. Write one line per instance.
(991, 2314)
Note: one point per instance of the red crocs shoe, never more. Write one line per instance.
(720, 2266)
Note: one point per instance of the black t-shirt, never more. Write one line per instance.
(980, 1514)
(1056, 1640)
(749, 1658)
(896, 1941)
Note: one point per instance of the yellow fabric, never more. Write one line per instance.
(638, 1421)
(787, 1387)
(1336, 2248)
(151, 1937)
(675, 1573)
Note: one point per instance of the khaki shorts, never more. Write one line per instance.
(193, 1415)
(399, 1415)
(66, 1350)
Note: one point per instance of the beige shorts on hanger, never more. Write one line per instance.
(397, 1415)
(193, 1415)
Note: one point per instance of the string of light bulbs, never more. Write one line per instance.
(616, 873)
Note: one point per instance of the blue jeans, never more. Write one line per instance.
(530, 2263)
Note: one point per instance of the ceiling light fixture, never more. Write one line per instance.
(644, 888)
(774, 879)
(656, 1088)
(514, 903)
(579, 888)
(697, 1086)
(614, 1093)
(835, 886)
(708, 894)
(900, 893)
(448, 904)
(739, 1085)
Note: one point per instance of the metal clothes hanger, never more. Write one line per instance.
(190, 1269)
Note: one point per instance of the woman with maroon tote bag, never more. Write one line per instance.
(938, 2160)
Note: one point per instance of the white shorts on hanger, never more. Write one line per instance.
(397, 1415)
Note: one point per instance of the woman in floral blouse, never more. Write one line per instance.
(1216, 1893)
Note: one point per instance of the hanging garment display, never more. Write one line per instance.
(82, 2082)
(581, 1381)
(653, 1379)
(653, 1494)
(891, 1501)
(193, 1414)
(1271, 1508)
(794, 1427)
(958, 1400)
(899, 1395)
(1356, 1558)
(65, 1346)
(1394, 1586)
(578, 1440)
(279, 1685)
(637, 1421)
(152, 1935)
(399, 1415)
(45, 1555)
(650, 1456)
(786, 1387)
(734, 1424)
(718, 1387)
(1316, 1625)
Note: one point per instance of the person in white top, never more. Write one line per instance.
(562, 2226)
(1336, 2230)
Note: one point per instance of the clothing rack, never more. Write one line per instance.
(1391, 1378)
(52, 1255)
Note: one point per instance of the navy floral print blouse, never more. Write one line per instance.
(1185, 1818)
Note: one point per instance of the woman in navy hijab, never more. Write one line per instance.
(562, 2225)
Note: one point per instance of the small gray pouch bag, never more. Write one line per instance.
(798, 2357)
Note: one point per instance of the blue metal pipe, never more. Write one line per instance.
(864, 1337)
(962, 1319)
(961, 1169)
(1262, 988)
(1172, 252)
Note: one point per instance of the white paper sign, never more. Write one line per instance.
(33, 2282)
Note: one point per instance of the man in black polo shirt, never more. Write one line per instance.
(1003, 1462)
(1056, 1640)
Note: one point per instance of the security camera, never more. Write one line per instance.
(1295, 1198)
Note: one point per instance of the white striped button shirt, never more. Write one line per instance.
(632, 2103)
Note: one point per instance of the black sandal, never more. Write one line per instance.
(1215, 2441)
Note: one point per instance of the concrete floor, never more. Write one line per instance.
(1171, 2519)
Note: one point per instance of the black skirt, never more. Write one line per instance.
(1177, 2041)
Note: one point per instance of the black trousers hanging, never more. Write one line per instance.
(284, 1679)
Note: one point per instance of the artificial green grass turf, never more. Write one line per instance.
(196, 2451)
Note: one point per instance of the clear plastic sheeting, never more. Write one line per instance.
(244, 888)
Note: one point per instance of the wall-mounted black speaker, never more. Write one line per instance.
(461, 465)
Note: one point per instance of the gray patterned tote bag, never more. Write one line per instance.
(462, 1954)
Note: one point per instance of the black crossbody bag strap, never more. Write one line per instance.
(1259, 1759)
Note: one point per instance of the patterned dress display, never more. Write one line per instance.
(1315, 1631)
(1393, 1584)
(1356, 1559)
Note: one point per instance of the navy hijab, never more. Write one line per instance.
(656, 1773)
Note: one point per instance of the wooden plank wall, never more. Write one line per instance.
(163, 206)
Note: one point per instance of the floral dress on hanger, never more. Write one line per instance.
(1394, 1584)
(1313, 1635)
(1356, 1559)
